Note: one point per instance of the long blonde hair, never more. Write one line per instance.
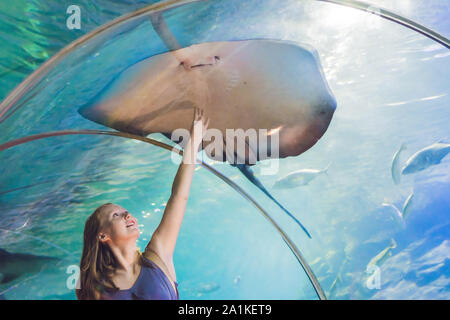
(97, 261)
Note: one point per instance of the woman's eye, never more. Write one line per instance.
(115, 215)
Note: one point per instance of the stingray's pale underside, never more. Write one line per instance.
(258, 84)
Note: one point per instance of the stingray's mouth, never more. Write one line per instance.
(214, 61)
(201, 65)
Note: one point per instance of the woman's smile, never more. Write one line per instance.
(132, 223)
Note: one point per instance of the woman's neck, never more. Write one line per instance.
(127, 256)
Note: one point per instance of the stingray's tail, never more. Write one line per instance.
(248, 173)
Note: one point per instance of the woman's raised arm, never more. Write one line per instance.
(165, 236)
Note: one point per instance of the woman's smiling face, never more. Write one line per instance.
(117, 224)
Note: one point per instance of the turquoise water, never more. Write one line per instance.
(391, 85)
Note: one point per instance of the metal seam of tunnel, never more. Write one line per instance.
(39, 73)
(310, 274)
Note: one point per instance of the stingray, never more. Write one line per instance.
(261, 84)
(14, 265)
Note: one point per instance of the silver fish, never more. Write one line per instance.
(395, 168)
(383, 255)
(406, 209)
(299, 178)
(426, 157)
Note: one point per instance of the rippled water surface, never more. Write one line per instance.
(392, 88)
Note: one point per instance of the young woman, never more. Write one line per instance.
(112, 267)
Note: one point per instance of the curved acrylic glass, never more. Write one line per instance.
(391, 85)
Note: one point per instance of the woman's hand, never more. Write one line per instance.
(199, 128)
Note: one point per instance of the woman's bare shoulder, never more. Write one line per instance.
(157, 258)
(150, 254)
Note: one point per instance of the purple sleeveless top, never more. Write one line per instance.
(151, 284)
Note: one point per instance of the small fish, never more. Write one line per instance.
(208, 287)
(383, 255)
(407, 205)
(14, 265)
(336, 281)
(298, 178)
(237, 280)
(406, 209)
(395, 168)
(426, 157)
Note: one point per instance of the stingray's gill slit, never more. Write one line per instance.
(315, 283)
